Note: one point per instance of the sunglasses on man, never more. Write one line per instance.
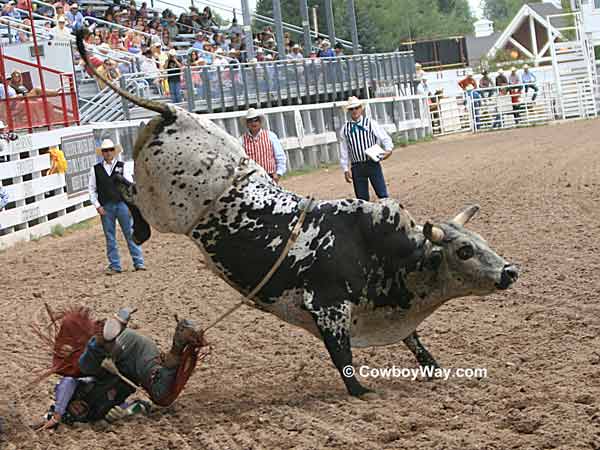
(106, 150)
(253, 120)
(356, 107)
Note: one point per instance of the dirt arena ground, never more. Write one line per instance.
(271, 386)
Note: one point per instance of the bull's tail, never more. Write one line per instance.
(158, 107)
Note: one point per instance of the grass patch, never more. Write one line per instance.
(305, 170)
(400, 141)
(82, 225)
(57, 230)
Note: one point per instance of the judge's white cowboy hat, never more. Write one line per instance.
(325, 43)
(252, 114)
(353, 102)
(108, 143)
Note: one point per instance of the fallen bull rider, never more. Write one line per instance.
(100, 394)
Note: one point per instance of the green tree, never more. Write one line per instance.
(501, 12)
(384, 24)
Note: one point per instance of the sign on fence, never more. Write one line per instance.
(80, 153)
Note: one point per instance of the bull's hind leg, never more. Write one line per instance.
(333, 323)
(423, 356)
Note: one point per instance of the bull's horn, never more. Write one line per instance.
(466, 215)
(433, 233)
(160, 108)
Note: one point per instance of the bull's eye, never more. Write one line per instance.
(465, 252)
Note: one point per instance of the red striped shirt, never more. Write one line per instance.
(260, 149)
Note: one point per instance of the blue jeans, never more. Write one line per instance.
(175, 90)
(119, 211)
(362, 173)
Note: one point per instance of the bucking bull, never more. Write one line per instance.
(359, 274)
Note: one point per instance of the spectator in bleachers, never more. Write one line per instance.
(529, 80)
(219, 41)
(110, 70)
(207, 21)
(174, 67)
(9, 10)
(61, 32)
(514, 79)
(486, 85)
(158, 55)
(172, 28)
(339, 50)
(143, 12)
(11, 91)
(296, 53)
(150, 68)
(74, 17)
(198, 41)
(89, 12)
(219, 58)
(114, 40)
(234, 28)
(325, 50)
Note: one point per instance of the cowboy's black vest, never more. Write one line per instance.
(105, 184)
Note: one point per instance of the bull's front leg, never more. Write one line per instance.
(423, 356)
(334, 325)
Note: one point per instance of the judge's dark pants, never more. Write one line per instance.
(362, 173)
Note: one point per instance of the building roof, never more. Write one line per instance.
(478, 47)
(548, 9)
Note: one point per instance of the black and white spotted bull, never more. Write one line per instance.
(360, 274)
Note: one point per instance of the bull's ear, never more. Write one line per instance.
(433, 233)
(467, 214)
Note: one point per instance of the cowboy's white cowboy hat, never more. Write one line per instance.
(172, 52)
(325, 43)
(108, 143)
(296, 46)
(526, 66)
(353, 102)
(252, 114)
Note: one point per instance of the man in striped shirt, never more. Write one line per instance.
(263, 146)
(357, 135)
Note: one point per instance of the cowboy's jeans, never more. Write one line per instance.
(362, 173)
(119, 212)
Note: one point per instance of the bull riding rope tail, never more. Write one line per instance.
(290, 242)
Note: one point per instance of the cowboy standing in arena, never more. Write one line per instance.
(358, 135)
(263, 146)
(109, 203)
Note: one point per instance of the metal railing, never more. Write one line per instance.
(494, 108)
(240, 86)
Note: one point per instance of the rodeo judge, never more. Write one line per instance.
(360, 138)
(107, 199)
(263, 146)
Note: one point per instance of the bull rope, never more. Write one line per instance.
(290, 242)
